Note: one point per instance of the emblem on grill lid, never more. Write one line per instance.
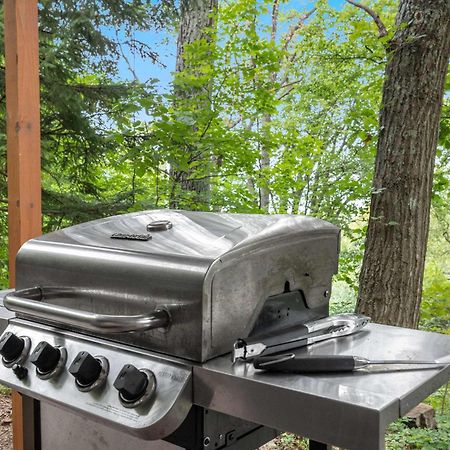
(132, 237)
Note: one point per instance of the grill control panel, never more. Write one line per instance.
(125, 387)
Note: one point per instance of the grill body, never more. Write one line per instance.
(151, 296)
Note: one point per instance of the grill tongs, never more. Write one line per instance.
(303, 335)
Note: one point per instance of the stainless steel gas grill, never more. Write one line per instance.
(123, 326)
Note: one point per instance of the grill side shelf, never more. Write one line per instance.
(350, 410)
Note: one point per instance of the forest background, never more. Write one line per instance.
(283, 119)
(264, 117)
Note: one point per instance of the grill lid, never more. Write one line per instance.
(212, 272)
(194, 234)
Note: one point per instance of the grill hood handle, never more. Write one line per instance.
(22, 302)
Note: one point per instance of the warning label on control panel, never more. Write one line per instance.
(123, 413)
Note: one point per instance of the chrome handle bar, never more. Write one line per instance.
(20, 302)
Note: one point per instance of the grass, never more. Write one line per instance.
(4, 390)
(401, 437)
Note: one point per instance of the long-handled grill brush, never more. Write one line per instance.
(337, 363)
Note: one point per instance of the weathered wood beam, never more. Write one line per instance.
(23, 146)
(23, 127)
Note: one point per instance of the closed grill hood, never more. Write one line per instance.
(216, 274)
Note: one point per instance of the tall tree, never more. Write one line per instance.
(393, 266)
(190, 174)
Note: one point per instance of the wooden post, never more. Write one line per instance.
(23, 146)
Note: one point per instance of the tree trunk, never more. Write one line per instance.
(392, 271)
(264, 159)
(197, 18)
(264, 167)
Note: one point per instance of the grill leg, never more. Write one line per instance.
(314, 445)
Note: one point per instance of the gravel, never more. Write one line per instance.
(5, 422)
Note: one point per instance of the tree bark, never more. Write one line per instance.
(196, 19)
(392, 271)
(264, 167)
(264, 159)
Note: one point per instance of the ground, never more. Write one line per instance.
(5, 422)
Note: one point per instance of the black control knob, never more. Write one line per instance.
(131, 383)
(85, 368)
(11, 346)
(45, 357)
(20, 371)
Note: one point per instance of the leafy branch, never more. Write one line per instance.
(382, 31)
